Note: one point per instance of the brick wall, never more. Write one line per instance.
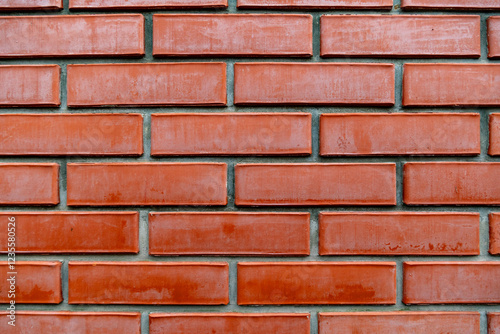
(250, 166)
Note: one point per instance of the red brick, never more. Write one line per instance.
(450, 4)
(315, 4)
(147, 184)
(64, 322)
(36, 282)
(314, 83)
(495, 233)
(251, 35)
(173, 283)
(29, 183)
(145, 4)
(228, 233)
(71, 134)
(315, 184)
(31, 5)
(400, 134)
(451, 282)
(398, 233)
(494, 36)
(231, 134)
(29, 85)
(71, 35)
(283, 283)
(234, 323)
(147, 84)
(494, 148)
(451, 85)
(451, 183)
(400, 322)
(401, 36)
(494, 323)
(72, 232)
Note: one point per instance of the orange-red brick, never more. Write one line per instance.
(71, 134)
(315, 4)
(228, 233)
(251, 35)
(146, 184)
(29, 184)
(494, 233)
(451, 282)
(399, 134)
(72, 232)
(29, 85)
(494, 148)
(493, 23)
(30, 5)
(147, 84)
(451, 4)
(146, 4)
(398, 233)
(494, 323)
(72, 35)
(305, 184)
(175, 283)
(231, 134)
(400, 36)
(313, 83)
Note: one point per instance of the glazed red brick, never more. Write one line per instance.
(64, 322)
(494, 37)
(147, 84)
(400, 36)
(400, 134)
(315, 4)
(145, 4)
(29, 184)
(228, 233)
(450, 4)
(231, 134)
(451, 282)
(71, 134)
(72, 232)
(283, 283)
(494, 233)
(494, 323)
(451, 183)
(30, 4)
(72, 35)
(314, 83)
(451, 85)
(251, 35)
(400, 322)
(398, 233)
(173, 283)
(29, 85)
(494, 148)
(146, 184)
(235, 323)
(305, 184)
(35, 282)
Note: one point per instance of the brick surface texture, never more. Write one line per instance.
(249, 166)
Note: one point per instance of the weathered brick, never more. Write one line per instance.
(313, 83)
(315, 4)
(493, 323)
(400, 134)
(173, 283)
(451, 4)
(147, 84)
(494, 148)
(71, 134)
(494, 233)
(29, 85)
(31, 5)
(451, 282)
(145, 4)
(398, 233)
(71, 35)
(306, 184)
(251, 35)
(228, 233)
(401, 36)
(72, 232)
(231, 134)
(493, 23)
(280, 283)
